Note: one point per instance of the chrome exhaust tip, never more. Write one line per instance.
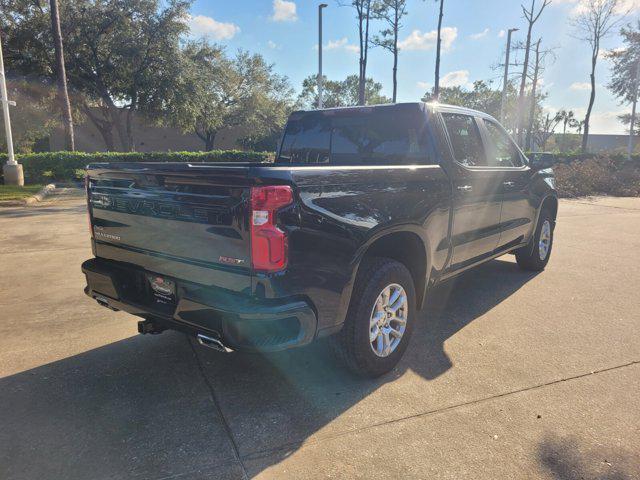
(213, 343)
(104, 302)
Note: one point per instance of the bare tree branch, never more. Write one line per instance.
(592, 25)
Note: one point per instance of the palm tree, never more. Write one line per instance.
(436, 88)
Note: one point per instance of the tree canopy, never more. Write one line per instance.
(116, 54)
(625, 63)
(340, 93)
(483, 97)
(133, 57)
(215, 91)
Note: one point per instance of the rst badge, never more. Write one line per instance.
(230, 260)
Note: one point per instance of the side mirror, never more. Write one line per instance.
(540, 161)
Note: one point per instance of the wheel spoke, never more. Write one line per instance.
(395, 333)
(373, 334)
(400, 302)
(376, 318)
(386, 342)
(379, 304)
(380, 345)
(397, 293)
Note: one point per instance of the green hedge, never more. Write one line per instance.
(68, 166)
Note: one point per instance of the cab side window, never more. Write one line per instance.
(468, 149)
(379, 138)
(504, 152)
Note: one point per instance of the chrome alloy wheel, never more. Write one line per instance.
(388, 320)
(545, 240)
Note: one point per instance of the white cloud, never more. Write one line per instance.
(427, 40)
(284, 11)
(272, 45)
(459, 78)
(424, 85)
(630, 5)
(603, 53)
(579, 86)
(607, 122)
(340, 44)
(478, 36)
(335, 44)
(501, 33)
(580, 6)
(203, 26)
(543, 83)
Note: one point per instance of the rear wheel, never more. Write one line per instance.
(535, 255)
(380, 318)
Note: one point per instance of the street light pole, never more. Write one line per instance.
(320, 7)
(12, 170)
(636, 92)
(506, 74)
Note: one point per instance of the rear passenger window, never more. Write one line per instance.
(306, 140)
(382, 138)
(465, 139)
(505, 153)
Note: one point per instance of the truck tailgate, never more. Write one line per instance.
(180, 220)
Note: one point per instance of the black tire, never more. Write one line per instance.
(352, 344)
(530, 257)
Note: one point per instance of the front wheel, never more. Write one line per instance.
(535, 255)
(380, 318)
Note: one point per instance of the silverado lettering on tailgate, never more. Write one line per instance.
(161, 209)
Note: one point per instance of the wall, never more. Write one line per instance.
(148, 138)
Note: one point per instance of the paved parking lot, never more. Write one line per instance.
(509, 374)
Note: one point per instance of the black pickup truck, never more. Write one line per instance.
(363, 210)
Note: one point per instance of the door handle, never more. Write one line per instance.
(465, 188)
(509, 184)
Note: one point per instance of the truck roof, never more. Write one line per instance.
(434, 106)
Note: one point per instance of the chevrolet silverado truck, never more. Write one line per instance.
(363, 210)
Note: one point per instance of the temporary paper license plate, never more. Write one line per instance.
(164, 290)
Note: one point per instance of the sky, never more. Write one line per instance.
(285, 32)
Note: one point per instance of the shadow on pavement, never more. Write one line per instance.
(133, 408)
(567, 459)
(140, 407)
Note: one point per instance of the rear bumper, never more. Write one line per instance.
(241, 321)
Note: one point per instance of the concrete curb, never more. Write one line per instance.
(38, 197)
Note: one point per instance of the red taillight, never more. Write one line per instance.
(268, 242)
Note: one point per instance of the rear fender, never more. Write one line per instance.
(361, 253)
